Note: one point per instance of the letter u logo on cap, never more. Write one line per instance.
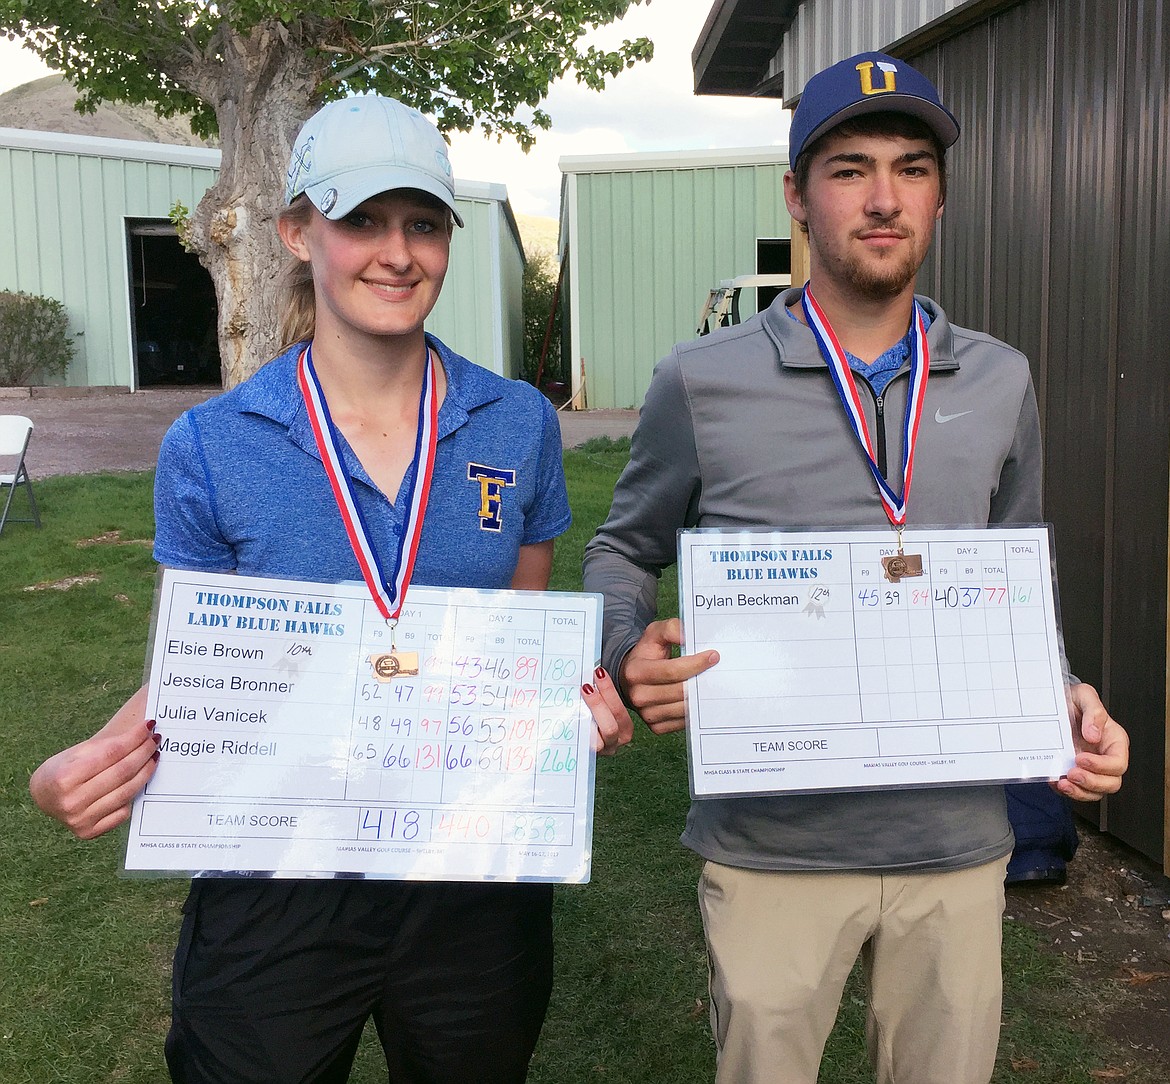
(866, 70)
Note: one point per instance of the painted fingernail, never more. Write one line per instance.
(156, 755)
(588, 690)
(157, 738)
(151, 724)
(599, 673)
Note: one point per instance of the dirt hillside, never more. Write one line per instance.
(46, 105)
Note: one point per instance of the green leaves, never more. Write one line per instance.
(35, 343)
(460, 61)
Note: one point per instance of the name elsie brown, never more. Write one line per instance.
(715, 602)
(214, 651)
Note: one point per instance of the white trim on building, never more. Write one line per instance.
(694, 159)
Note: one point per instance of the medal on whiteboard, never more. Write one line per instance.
(387, 665)
(901, 564)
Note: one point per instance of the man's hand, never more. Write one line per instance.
(653, 679)
(89, 786)
(1102, 748)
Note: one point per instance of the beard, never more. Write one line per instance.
(875, 276)
(881, 279)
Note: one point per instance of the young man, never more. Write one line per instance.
(745, 429)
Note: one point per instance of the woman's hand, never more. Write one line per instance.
(614, 727)
(89, 787)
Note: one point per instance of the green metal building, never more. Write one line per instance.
(86, 220)
(643, 239)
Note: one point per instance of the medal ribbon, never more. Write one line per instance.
(387, 591)
(843, 381)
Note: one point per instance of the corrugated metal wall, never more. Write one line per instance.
(1137, 545)
(825, 31)
(1055, 239)
(649, 245)
(483, 290)
(511, 286)
(510, 251)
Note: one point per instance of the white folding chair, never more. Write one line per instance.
(15, 432)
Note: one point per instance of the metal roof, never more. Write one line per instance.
(104, 147)
(692, 159)
(175, 154)
(737, 44)
(770, 48)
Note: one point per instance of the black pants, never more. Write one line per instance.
(274, 980)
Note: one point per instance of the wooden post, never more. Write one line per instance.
(798, 247)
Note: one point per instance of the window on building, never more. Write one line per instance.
(773, 257)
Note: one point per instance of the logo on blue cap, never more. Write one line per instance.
(889, 70)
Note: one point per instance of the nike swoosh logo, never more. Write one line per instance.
(942, 418)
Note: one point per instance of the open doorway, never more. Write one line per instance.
(173, 309)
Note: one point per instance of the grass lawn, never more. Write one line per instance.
(85, 954)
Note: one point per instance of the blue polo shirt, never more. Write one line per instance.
(241, 486)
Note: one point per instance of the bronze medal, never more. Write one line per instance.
(902, 564)
(391, 664)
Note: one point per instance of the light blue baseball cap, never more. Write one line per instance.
(355, 148)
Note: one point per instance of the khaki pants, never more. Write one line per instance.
(781, 945)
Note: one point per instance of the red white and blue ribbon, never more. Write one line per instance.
(387, 590)
(846, 386)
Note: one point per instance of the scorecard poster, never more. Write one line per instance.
(302, 736)
(847, 665)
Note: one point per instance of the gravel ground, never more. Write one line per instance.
(84, 434)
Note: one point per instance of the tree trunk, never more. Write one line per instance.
(259, 92)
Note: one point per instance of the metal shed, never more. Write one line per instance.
(643, 238)
(88, 223)
(1055, 240)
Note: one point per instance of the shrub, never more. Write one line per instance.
(35, 343)
(540, 286)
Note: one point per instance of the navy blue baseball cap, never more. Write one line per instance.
(866, 83)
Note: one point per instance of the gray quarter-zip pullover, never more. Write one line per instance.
(742, 429)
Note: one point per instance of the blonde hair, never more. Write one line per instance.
(298, 318)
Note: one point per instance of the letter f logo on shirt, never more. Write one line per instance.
(491, 486)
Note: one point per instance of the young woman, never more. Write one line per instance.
(275, 979)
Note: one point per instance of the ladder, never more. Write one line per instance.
(721, 309)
